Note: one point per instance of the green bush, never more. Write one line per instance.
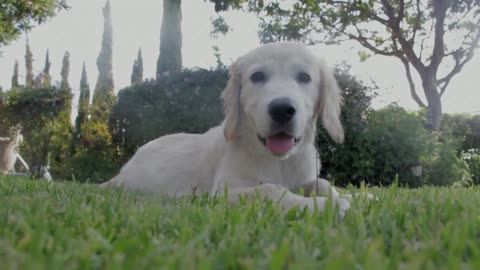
(390, 144)
(462, 131)
(472, 158)
(35, 112)
(95, 158)
(184, 102)
(463, 127)
(443, 166)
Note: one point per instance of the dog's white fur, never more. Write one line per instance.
(232, 155)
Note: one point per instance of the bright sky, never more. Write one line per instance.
(137, 24)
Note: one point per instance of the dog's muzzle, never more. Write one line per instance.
(281, 111)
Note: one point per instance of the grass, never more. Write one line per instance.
(77, 226)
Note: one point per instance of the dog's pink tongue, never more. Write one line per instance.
(280, 144)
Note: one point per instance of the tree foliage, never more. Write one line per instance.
(83, 106)
(62, 129)
(47, 78)
(104, 95)
(28, 66)
(34, 112)
(15, 75)
(185, 102)
(137, 69)
(17, 16)
(170, 58)
(93, 159)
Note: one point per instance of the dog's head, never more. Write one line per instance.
(276, 93)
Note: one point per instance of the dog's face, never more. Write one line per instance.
(277, 92)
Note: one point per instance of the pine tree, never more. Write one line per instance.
(47, 79)
(15, 75)
(83, 103)
(65, 85)
(103, 95)
(28, 66)
(137, 70)
(62, 127)
(170, 58)
(98, 149)
(65, 71)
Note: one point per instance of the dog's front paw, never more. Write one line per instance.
(343, 205)
(320, 203)
(363, 195)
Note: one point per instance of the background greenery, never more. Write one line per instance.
(381, 145)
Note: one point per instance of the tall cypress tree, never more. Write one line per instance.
(65, 71)
(62, 127)
(15, 75)
(47, 79)
(28, 66)
(137, 70)
(104, 95)
(65, 85)
(83, 102)
(170, 58)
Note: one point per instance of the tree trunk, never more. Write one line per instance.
(170, 59)
(434, 109)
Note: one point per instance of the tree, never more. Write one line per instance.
(137, 70)
(28, 66)
(65, 71)
(413, 31)
(170, 58)
(103, 95)
(15, 75)
(95, 159)
(47, 79)
(83, 104)
(62, 129)
(17, 16)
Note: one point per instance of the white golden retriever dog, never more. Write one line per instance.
(265, 145)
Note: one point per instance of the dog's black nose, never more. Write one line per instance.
(281, 110)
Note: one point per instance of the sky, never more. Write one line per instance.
(136, 24)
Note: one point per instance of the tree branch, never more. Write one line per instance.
(364, 42)
(407, 47)
(416, 26)
(440, 12)
(413, 92)
(459, 63)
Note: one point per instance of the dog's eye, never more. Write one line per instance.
(258, 77)
(303, 77)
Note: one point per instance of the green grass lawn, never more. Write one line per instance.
(77, 226)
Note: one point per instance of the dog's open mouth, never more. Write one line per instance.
(279, 143)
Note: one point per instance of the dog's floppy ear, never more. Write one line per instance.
(329, 103)
(231, 101)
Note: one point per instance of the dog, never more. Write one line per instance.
(274, 97)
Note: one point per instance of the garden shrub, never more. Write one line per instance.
(472, 158)
(34, 112)
(185, 102)
(391, 142)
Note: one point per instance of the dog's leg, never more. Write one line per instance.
(286, 199)
(324, 188)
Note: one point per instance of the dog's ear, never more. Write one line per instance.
(231, 101)
(329, 103)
